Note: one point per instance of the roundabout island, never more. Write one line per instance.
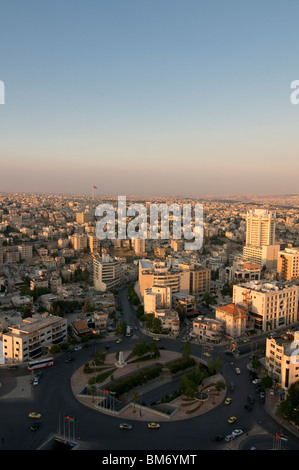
(155, 399)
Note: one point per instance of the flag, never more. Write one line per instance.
(70, 419)
(281, 436)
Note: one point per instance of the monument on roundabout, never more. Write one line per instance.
(120, 362)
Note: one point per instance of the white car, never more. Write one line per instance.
(238, 370)
(229, 438)
(237, 432)
(256, 381)
(35, 381)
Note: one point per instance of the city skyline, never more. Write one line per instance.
(158, 98)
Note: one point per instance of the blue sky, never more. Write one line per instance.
(178, 97)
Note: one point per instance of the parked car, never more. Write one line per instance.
(237, 432)
(238, 370)
(217, 438)
(256, 381)
(229, 438)
(250, 399)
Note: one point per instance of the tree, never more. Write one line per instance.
(186, 349)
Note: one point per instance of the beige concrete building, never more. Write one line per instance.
(288, 264)
(260, 245)
(243, 272)
(161, 274)
(157, 298)
(138, 245)
(169, 320)
(93, 243)
(83, 217)
(208, 329)
(282, 359)
(79, 241)
(266, 256)
(107, 273)
(234, 318)
(25, 252)
(200, 280)
(33, 337)
(270, 304)
(260, 227)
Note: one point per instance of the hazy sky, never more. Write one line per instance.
(182, 97)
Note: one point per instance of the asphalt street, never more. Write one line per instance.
(92, 430)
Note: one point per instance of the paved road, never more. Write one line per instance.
(54, 399)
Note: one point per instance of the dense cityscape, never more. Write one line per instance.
(149, 229)
(63, 290)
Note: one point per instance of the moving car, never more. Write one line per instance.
(248, 407)
(70, 359)
(155, 338)
(232, 419)
(228, 401)
(34, 414)
(119, 340)
(35, 381)
(153, 425)
(125, 426)
(238, 370)
(35, 426)
(229, 438)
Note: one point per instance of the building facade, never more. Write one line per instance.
(33, 337)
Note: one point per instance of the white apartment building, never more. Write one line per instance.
(270, 304)
(282, 359)
(288, 264)
(107, 273)
(33, 337)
